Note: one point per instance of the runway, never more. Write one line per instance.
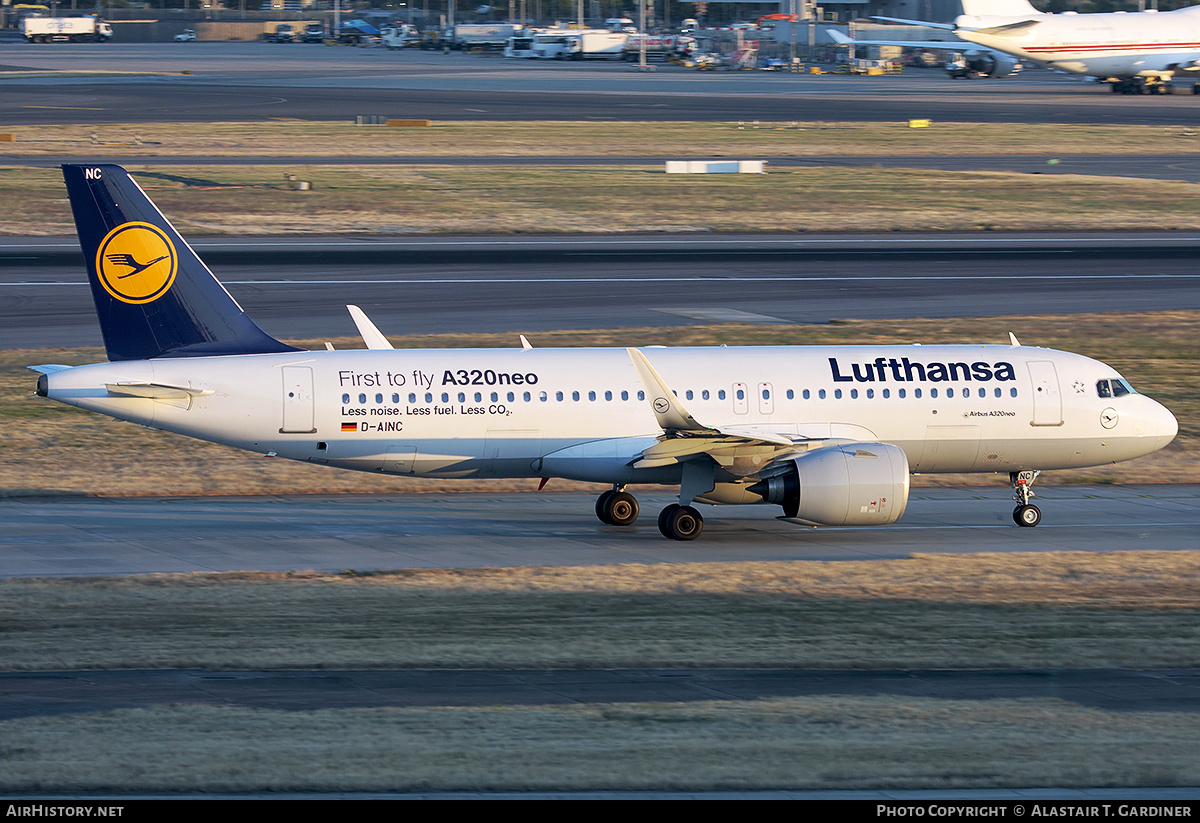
(297, 288)
(66, 537)
(142, 82)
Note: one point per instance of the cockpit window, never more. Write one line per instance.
(1113, 388)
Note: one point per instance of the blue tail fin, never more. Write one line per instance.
(154, 296)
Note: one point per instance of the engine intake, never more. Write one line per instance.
(859, 484)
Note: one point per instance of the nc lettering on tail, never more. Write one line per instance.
(154, 296)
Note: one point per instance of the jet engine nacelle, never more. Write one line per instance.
(859, 484)
(994, 64)
(982, 64)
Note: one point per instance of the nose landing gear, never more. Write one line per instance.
(1025, 514)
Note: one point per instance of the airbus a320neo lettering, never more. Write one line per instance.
(827, 433)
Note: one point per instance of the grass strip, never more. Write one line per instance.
(801, 743)
(1053, 610)
(397, 199)
(299, 138)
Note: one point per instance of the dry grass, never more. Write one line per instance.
(295, 138)
(249, 200)
(799, 743)
(1061, 610)
(1136, 609)
(51, 448)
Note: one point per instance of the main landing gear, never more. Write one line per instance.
(618, 507)
(1143, 85)
(1025, 514)
(678, 522)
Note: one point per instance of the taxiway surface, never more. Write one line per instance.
(296, 288)
(63, 537)
(117, 83)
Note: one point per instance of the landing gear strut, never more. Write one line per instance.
(617, 507)
(1025, 514)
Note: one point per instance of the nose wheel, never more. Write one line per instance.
(1028, 515)
(1025, 514)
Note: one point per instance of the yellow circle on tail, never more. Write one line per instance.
(136, 263)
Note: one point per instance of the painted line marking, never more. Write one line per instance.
(684, 279)
(933, 244)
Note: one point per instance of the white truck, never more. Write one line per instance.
(83, 29)
(574, 44)
(399, 36)
(483, 36)
(596, 44)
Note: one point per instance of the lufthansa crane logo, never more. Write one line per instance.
(136, 263)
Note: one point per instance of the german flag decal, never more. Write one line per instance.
(349, 427)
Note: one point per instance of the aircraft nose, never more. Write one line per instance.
(1161, 424)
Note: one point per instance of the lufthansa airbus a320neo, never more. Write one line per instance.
(828, 433)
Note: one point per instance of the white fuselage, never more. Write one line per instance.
(583, 414)
(1103, 45)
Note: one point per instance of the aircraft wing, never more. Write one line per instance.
(685, 438)
(951, 45)
(925, 23)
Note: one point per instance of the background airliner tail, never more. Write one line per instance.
(998, 8)
(154, 296)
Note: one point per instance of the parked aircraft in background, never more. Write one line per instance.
(828, 433)
(1135, 52)
(968, 60)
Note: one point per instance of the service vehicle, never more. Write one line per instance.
(81, 29)
(609, 45)
(399, 36)
(483, 36)
(284, 33)
(659, 46)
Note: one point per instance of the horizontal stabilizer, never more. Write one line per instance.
(1017, 29)
(157, 391)
(48, 368)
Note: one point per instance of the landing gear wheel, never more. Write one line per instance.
(621, 509)
(664, 516)
(602, 506)
(680, 522)
(1025, 514)
(1028, 515)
